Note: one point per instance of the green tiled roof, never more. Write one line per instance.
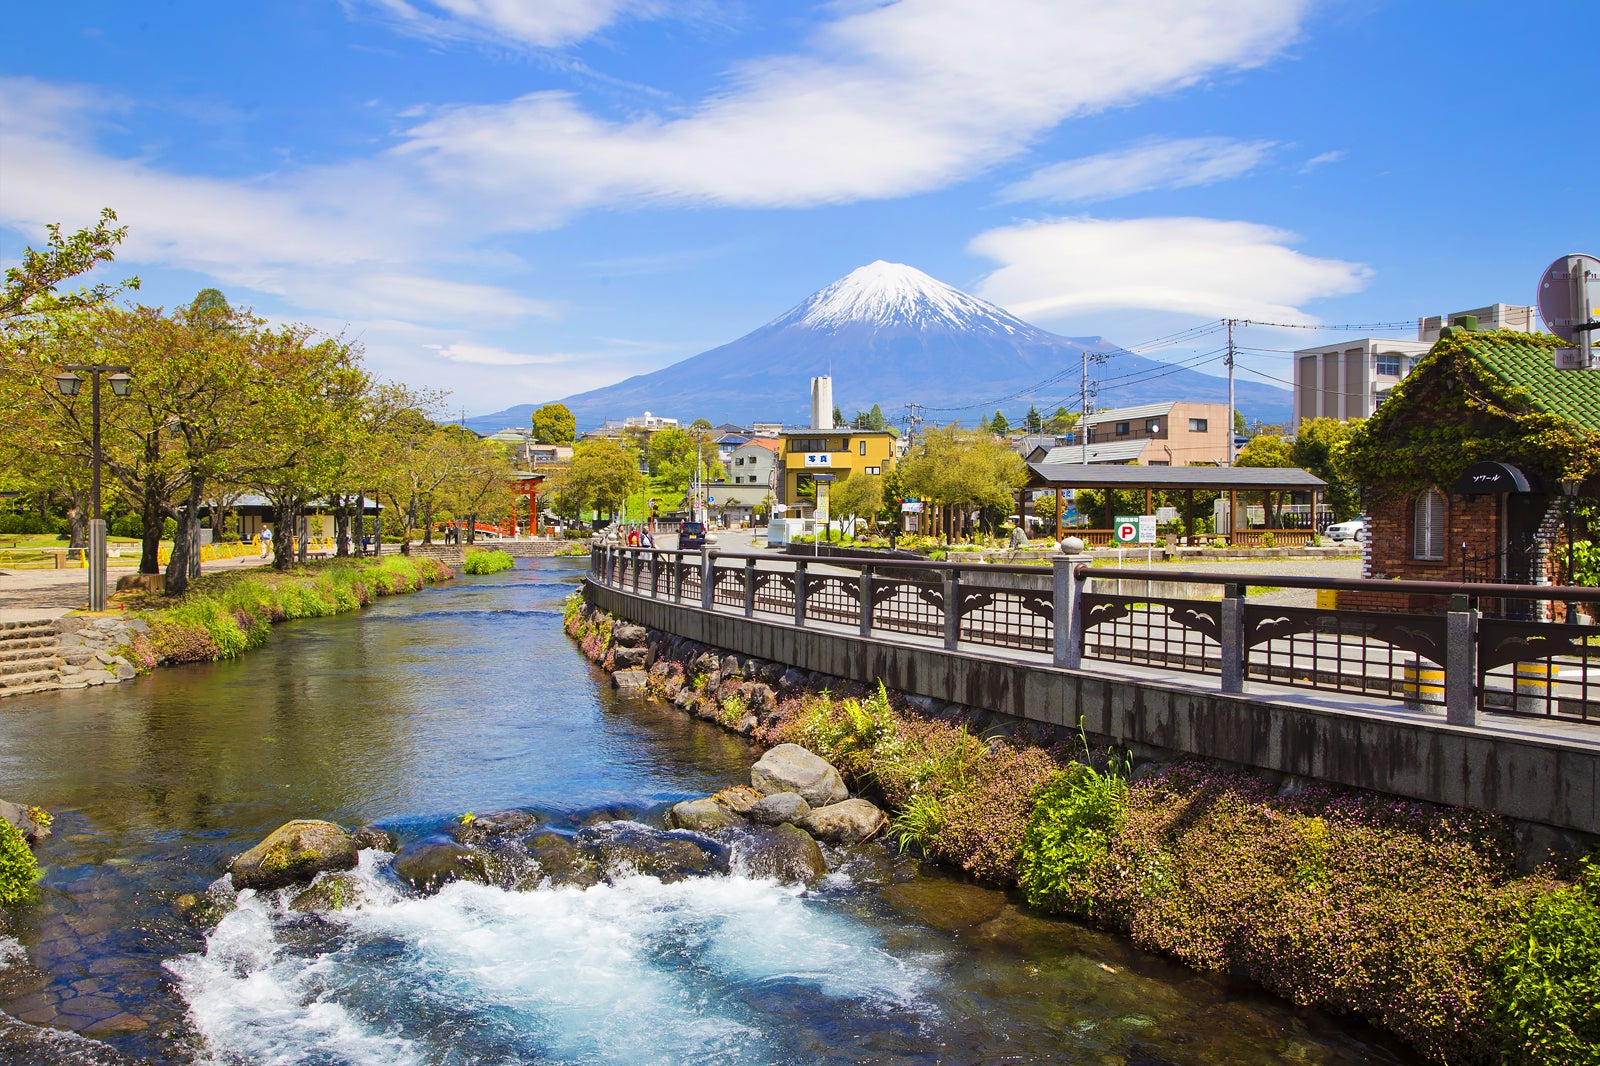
(1522, 361)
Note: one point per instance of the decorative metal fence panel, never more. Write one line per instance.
(833, 598)
(775, 593)
(1391, 655)
(908, 604)
(727, 588)
(1539, 668)
(1007, 618)
(1177, 634)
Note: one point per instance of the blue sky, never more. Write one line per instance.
(516, 201)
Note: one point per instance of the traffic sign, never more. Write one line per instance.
(1126, 529)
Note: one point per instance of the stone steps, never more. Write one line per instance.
(30, 658)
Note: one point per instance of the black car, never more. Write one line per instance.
(692, 535)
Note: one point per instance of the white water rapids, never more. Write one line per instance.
(628, 973)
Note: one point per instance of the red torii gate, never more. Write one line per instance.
(528, 485)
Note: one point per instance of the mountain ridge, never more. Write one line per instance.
(894, 336)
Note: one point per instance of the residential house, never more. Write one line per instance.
(1175, 433)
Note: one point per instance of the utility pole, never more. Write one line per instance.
(1231, 322)
(1083, 406)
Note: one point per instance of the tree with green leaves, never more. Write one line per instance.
(1240, 426)
(1062, 421)
(1322, 447)
(1033, 420)
(1266, 451)
(963, 472)
(554, 424)
(31, 287)
(602, 475)
(998, 425)
(671, 457)
(858, 496)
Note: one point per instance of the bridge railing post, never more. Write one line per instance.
(1461, 665)
(1068, 614)
(1231, 636)
(749, 588)
(677, 578)
(708, 577)
(952, 609)
(799, 592)
(866, 601)
(655, 574)
(638, 558)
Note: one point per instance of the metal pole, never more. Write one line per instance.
(97, 526)
(1572, 606)
(1230, 392)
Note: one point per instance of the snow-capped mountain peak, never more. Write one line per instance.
(894, 294)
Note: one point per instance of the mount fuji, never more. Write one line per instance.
(891, 335)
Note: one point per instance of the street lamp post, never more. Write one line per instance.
(1569, 495)
(121, 384)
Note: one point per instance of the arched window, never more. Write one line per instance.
(1427, 527)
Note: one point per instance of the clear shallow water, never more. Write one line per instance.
(469, 697)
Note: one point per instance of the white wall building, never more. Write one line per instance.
(1349, 379)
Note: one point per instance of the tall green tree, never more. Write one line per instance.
(1062, 421)
(998, 425)
(554, 424)
(602, 475)
(857, 496)
(1034, 420)
(963, 471)
(1322, 446)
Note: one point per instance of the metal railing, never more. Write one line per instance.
(1456, 660)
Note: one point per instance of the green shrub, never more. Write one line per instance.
(480, 561)
(1069, 836)
(1548, 994)
(18, 868)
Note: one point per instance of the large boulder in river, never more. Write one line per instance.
(791, 768)
(781, 853)
(336, 892)
(624, 848)
(628, 635)
(429, 865)
(702, 816)
(849, 822)
(294, 852)
(780, 808)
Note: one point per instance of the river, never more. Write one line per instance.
(468, 697)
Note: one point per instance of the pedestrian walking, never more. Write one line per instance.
(266, 541)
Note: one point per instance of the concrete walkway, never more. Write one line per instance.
(26, 595)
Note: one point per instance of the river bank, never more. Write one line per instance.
(1411, 916)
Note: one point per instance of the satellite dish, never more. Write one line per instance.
(1567, 295)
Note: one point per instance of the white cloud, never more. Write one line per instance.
(487, 355)
(541, 23)
(1322, 160)
(1198, 266)
(889, 99)
(1156, 164)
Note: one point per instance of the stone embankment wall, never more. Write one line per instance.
(530, 548)
(89, 649)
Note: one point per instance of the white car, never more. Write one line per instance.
(1355, 529)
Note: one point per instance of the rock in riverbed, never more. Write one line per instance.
(294, 852)
(791, 768)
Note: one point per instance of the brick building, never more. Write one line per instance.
(1471, 464)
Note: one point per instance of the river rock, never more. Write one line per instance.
(297, 851)
(738, 799)
(781, 853)
(22, 821)
(778, 809)
(701, 815)
(480, 828)
(792, 678)
(334, 892)
(630, 684)
(848, 822)
(370, 836)
(624, 848)
(557, 860)
(791, 768)
(431, 864)
(760, 699)
(624, 658)
(729, 667)
(628, 635)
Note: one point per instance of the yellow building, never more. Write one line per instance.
(805, 453)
